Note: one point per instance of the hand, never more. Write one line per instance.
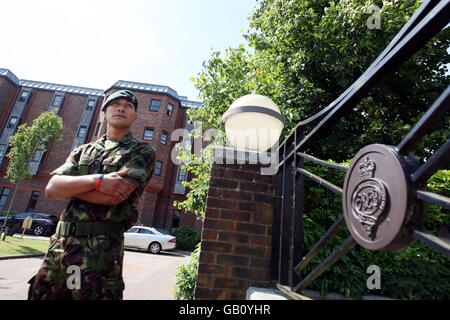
(113, 184)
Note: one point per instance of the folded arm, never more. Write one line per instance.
(98, 197)
(62, 187)
(113, 189)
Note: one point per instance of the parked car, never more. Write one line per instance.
(162, 231)
(42, 224)
(149, 239)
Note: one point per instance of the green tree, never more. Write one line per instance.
(199, 166)
(303, 55)
(320, 48)
(25, 142)
(222, 81)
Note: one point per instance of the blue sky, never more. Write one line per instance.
(95, 43)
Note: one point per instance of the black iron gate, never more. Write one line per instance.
(383, 191)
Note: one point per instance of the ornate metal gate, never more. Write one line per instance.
(383, 191)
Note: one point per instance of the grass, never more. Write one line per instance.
(17, 246)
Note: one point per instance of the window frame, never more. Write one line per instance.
(145, 231)
(184, 175)
(135, 230)
(4, 195)
(151, 105)
(97, 129)
(24, 96)
(166, 133)
(150, 129)
(160, 168)
(3, 153)
(9, 125)
(170, 109)
(57, 99)
(79, 130)
(31, 200)
(21, 215)
(88, 106)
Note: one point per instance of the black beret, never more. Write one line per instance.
(121, 94)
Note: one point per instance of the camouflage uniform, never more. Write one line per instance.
(97, 248)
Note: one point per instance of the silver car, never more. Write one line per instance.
(149, 239)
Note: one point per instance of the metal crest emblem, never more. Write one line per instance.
(368, 199)
(376, 198)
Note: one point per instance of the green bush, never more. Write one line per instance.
(416, 272)
(186, 277)
(3, 213)
(187, 238)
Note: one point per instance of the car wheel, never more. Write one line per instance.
(38, 230)
(154, 247)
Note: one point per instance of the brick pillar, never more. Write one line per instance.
(236, 239)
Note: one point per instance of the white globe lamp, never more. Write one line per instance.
(253, 122)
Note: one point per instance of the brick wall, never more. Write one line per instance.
(236, 239)
(71, 112)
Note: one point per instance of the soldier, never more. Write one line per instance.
(103, 181)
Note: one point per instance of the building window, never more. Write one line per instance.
(169, 109)
(158, 167)
(164, 136)
(175, 219)
(33, 200)
(12, 122)
(81, 132)
(154, 105)
(148, 134)
(3, 148)
(182, 175)
(23, 96)
(57, 101)
(98, 128)
(90, 105)
(37, 156)
(4, 197)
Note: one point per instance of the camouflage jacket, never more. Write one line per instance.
(106, 156)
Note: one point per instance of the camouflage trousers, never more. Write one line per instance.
(83, 268)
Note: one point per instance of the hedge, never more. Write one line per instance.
(3, 213)
(187, 238)
(186, 277)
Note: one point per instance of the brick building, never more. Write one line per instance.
(161, 111)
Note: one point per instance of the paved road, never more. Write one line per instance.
(147, 276)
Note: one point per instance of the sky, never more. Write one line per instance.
(96, 43)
